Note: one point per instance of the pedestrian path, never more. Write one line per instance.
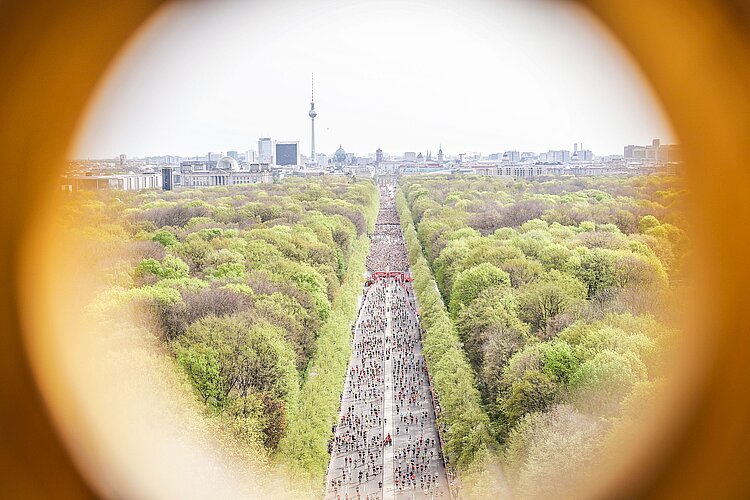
(385, 445)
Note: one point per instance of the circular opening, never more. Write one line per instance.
(143, 401)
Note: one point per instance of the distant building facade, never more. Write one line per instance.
(321, 160)
(522, 171)
(265, 150)
(167, 178)
(655, 153)
(379, 156)
(286, 153)
(512, 156)
(123, 182)
(561, 156)
(225, 172)
(583, 155)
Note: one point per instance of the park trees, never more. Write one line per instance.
(597, 269)
(491, 333)
(241, 364)
(469, 443)
(544, 299)
(554, 287)
(241, 284)
(473, 282)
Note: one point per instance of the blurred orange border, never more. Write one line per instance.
(696, 55)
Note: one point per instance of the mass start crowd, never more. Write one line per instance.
(385, 444)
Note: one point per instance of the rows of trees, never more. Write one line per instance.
(468, 446)
(560, 292)
(305, 444)
(252, 289)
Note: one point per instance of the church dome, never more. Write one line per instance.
(340, 153)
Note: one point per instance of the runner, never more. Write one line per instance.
(385, 444)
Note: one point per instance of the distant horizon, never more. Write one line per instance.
(360, 155)
(492, 75)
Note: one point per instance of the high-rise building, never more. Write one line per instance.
(512, 156)
(166, 178)
(379, 156)
(633, 152)
(580, 154)
(655, 153)
(585, 155)
(312, 115)
(286, 153)
(410, 156)
(558, 156)
(233, 154)
(669, 153)
(251, 156)
(265, 150)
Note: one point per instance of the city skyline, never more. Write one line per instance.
(389, 154)
(556, 79)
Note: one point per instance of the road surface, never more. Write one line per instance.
(385, 444)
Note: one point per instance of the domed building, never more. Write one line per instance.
(228, 163)
(339, 158)
(226, 171)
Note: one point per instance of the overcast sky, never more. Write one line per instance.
(473, 75)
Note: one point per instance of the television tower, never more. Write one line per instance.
(312, 114)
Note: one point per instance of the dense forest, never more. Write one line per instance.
(547, 309)
(555, 299)
(250, 289)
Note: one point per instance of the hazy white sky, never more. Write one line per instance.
(475, 75)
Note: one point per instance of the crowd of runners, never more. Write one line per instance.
(385, 444)
(387, 249)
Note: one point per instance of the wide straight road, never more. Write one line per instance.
(385, 444)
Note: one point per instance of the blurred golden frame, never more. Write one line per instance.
(695, 54)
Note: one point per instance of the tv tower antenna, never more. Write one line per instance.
(312, 115)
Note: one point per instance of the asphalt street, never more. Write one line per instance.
(385, 443)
